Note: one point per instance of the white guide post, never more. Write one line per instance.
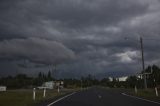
(34, 93)
(135, 88)
(44, 92)
(156, 91)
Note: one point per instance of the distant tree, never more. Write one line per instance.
(19, 81)
(132, 81)
(40, 75)
(39, 80)
(105, 82)
(154, 77)
(156, 74)
(49, 77)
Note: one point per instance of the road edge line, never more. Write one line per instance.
(61, 99)
(140, 98)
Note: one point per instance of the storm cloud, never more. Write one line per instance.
(36, 50)
(89, 33)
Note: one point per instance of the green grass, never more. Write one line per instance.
(147, 94)
(24, 97)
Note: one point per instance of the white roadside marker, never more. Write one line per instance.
(34, 93)
(156, 91)
(44, 92)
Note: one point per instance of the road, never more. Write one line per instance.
(101, 97)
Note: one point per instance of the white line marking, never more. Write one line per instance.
(61, 99)
(140, 98)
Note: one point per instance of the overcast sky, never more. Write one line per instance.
(80, 37)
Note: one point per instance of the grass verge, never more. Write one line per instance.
(24, 97)
(147, 94)
(142, 93)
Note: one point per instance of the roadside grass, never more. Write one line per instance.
(25, 97)
(142, 93)
(147, 94)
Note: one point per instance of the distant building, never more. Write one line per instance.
(3, 88)
(49, 85)
(110, 79)
(140, 76)
(52, 84)
(124, 78)
(59, 84)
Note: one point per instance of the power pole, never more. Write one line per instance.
(81, 84)
(143, 66)
(55, 70)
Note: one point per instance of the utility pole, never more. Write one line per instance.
(81, 84)
(55, 71)
(143, 66)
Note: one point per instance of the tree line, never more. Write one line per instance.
(152, 77)
(24, 81)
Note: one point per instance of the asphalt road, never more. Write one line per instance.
(101, 97)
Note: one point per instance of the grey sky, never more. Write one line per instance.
(80, 36)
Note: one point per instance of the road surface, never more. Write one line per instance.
(101, 97)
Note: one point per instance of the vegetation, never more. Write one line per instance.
(23, 81)
(153, 78)
(24, 97)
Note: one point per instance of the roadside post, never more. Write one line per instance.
(156, 88)
(135, 88)
(34, 93)
(156, 91)
(81, 85)
(44, 92)
(58, 89)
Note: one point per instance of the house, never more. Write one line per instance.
(110, 79)
(49, 84)
(52, 85)
(3, 88)
(121, 79)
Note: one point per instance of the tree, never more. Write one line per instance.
(132, 81)
(105, 82)
(49, 77)
(156, 73)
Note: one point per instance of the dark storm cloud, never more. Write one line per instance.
(93, 30)
(36, 18)
(36, 50)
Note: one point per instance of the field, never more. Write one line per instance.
(25, 97)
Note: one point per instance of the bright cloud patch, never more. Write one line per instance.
(128, 56)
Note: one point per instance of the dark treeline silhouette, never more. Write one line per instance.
(23, 81)
(152, 77)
